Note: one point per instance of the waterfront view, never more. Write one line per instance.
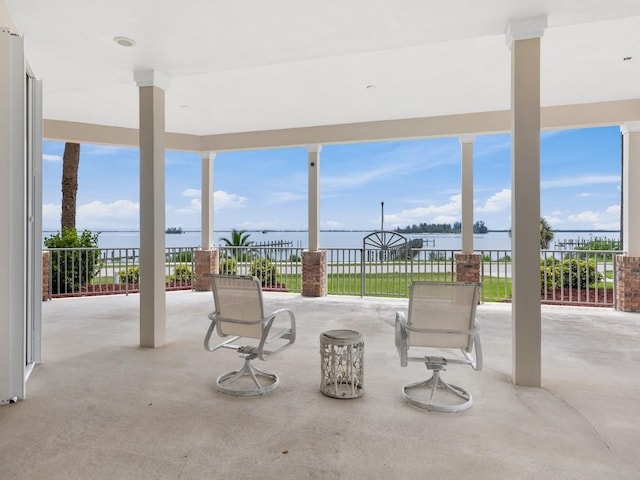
(348, 239)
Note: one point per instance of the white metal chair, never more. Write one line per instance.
(239, 313)
(440, 316)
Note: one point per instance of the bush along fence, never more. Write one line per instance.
(578, 277)
(94, 271)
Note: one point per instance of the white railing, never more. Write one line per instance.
(104, 271)
(585, 277)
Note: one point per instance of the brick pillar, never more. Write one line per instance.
(204, 261)
(628, 283)
(46, 265)
(314, 273)
(467, 267)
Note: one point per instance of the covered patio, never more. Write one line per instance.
(103, 407)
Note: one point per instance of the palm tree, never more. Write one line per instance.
(546, 233)
(239, 238)
(70, 162)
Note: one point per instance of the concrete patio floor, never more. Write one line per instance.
(101, 407)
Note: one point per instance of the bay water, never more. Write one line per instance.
(342, 239)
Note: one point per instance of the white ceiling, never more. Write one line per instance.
(257, 65)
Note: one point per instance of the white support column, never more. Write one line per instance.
(206, 196)
(313, 164)
(523, 37)
(630, 190)
(13, 213)
(151, 87)
(466, 144)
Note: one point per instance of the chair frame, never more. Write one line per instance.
(438, 363)
(224, 382)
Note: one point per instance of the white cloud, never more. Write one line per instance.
(284, 197)
(586, 216)
(579, 181)
(97, 210)
(497, 202)
(46, 157)
(51, 213)
(192, 192)
(194, 206)
(607, 219)
(449, 211)
(222, 199)
(584, 195)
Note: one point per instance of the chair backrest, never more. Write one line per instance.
(449, 305)
(237, 298)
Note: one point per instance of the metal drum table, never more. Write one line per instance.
(341, 363)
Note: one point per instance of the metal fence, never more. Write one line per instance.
(103, 271)
(585, 277)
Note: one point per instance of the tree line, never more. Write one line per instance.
(455, 227)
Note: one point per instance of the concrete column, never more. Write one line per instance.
(313, 165)
(466, 144)
(628, 265)
(630, 190)
(151, 86)
(206, 196)
(523, 37)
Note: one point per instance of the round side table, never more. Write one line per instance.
(341, 363)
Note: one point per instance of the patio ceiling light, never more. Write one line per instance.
(124, 41)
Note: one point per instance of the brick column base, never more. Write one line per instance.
(46, 263)
(204, 261)
(314, 273)
(467, 267)
(627, 283)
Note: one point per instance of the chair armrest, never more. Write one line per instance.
(288, 333)
(402, 338)
(213, 316)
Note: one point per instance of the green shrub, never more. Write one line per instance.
(70, 269)
(581, 273)
(229, 266)
(293, 258)
(182, 274)
(265, 270)
(549, 274)
(569, 273)
(131, 275)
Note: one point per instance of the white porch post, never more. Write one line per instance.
(313, 164)
(151, 87)
(466, 144)
(206, 196)
(630, 191)
(523, 37)
(13, 279)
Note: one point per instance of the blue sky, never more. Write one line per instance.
(419, 181)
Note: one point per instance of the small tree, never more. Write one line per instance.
(78, 261)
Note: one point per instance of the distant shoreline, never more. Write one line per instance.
(342, 230)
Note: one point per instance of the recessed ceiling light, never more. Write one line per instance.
(124, 41)
(626, 59)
